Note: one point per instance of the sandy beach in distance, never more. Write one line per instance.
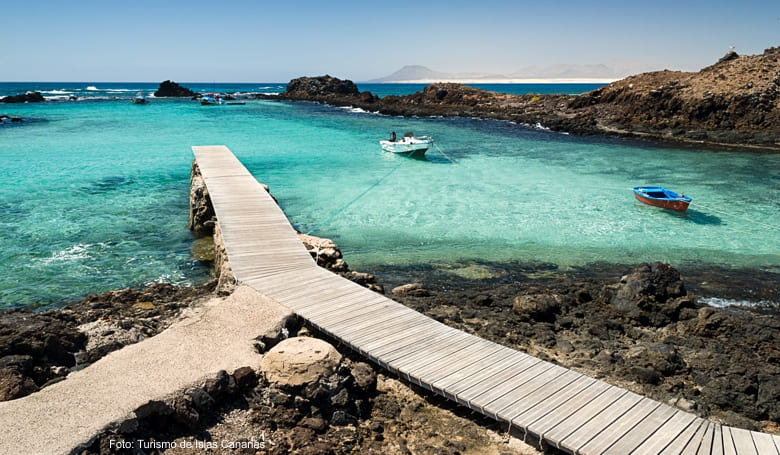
(574, 80)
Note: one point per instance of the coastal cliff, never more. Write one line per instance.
(733, 102)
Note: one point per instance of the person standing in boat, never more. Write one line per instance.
(392, 136)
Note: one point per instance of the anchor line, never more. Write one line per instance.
(355, 199)
(443, 154)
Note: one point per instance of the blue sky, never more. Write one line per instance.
(257, 41)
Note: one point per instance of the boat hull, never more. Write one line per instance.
(661, 197)
(415, 147)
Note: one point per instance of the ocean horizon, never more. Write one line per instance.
(95, 194)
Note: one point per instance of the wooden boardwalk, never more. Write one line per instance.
(565, 409)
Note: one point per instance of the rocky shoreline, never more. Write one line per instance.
(735, 102)
(641, 329)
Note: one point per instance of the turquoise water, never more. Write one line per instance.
(94, 192)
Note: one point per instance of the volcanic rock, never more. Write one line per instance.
(735, 101)
(305, 88)
(29, 97)
(170, 89)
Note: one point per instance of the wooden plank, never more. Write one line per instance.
(506, 381)
(555, 425)
(577, 429)
(380, 328)
(668, 432)
(647, 428)
(541, 395)
(466, 359)
(515, 398)
(621, 427)
(728, 441)
(432, 352)
(678, 444)
(409, 345)
(696, 441)
(375, 347)
(422, 348)
(344, 306)
(743, 441)
(473, 384)
(387, 331)
(343, 319)
(322, 300)
(705, 447)
(717, 439)
(447, 379)
(441, 357)
(528, 417)
(764, 444)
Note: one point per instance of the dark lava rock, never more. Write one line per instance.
(735, 101)
(305, 88)
(29, 97)
(653, 293)
(170, 89)
(644, 329)
(539, 307)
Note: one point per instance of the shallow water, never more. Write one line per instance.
(94, 194)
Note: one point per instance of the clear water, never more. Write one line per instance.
(94, 193)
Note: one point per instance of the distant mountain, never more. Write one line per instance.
(560, 72)
(417, 73)
(567, 72)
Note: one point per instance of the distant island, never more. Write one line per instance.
(733, 102)
(600, 73)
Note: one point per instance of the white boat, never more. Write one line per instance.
(139, 98)
(407, 145)
(211, 98)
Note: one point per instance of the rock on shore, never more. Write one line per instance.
(643, 331)
(735, 101)
(170, 89)
(29, 97)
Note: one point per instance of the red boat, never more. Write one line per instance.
(661, 197)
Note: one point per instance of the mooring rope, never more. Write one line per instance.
(443, 154)
(355, 199)
(737, 216)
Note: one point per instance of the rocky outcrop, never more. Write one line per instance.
(319, 88)
(170, 89)
(652, 293)
(328, 255)
(202, 217)
(640, 329)
(226, 281)
(29, 97)
(734, 102)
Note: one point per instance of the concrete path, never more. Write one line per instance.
(66, 416)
